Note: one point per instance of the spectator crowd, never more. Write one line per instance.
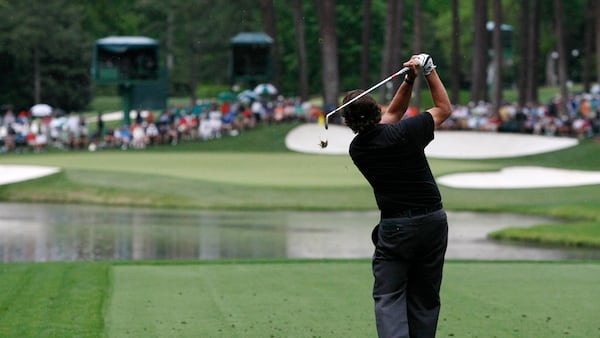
(21, 131)
(581, 118)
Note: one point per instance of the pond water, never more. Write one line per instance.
(45, 232)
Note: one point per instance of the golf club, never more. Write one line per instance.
(324, 141)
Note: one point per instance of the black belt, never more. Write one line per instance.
(412, 212)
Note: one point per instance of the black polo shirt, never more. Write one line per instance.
(392, 158)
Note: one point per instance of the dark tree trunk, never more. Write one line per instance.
(366, 45)
(417, 48)
(396, 61)
(269, 22)
(194, 76)
(301, 51)
(480, 51)
(455, 68)
(498, 57)
(597, 18)
(37, 75)
(562, 54)
(532, 83)
(327, 24)
(169, 43)
(386, 67)
(524, 70)
(392, 58)
(588, 45)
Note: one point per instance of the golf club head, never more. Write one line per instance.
(323, 144)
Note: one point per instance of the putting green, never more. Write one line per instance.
(256, 169)
(332, 299)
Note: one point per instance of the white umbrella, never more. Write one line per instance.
(41, 109)
(247, 96)
(265, 89)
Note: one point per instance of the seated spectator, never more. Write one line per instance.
(204, 128)
(138, 136)
(124, 137)
(41, 140)
(109, 138)
(152, 134)
(10, 139)
(215, 123)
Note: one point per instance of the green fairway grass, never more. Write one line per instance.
(279, 299)
(306, 298)
(520, 300)
(298, 298)
(53, 299)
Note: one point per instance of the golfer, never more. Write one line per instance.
(411, 237)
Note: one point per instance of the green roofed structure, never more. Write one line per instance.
(251, 58)
(132, 63)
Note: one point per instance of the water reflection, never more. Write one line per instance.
(37, 232)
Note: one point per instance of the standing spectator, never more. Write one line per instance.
(258, 110)
(100, 126)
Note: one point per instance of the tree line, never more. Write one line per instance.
(321, 47)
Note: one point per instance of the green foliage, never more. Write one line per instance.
(210, 91)
(52, 32)
(199, 31)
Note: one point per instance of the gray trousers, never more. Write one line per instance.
(407, 266)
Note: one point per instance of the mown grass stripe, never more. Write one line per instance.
(332, 299)
(53, 299)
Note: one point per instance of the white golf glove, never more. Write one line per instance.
(426, 63)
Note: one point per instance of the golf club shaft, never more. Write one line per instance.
(400, 72)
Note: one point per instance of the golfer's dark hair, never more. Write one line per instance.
(362, 114)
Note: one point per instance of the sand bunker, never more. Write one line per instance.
(306, 139)
(447, 144)
(521, 178)
(482, 145)
(466, 145)
(17, 173)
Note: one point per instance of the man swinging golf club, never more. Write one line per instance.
(411, 237)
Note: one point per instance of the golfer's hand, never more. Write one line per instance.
(425, 62)
(413, 65)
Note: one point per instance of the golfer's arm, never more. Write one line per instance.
(399, 104)
(442, 107)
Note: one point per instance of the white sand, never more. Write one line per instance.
(521, 177)
(482, 145)
(17, 173)
(447, 144)
(306, 139)
(466, 145)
